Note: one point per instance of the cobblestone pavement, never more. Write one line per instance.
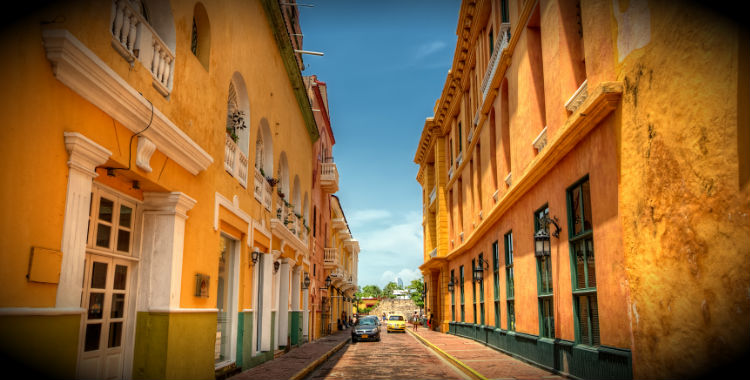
(298, 359)
(396, 356)
(488, 362)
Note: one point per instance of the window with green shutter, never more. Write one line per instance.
(581, 238)
(453, 298)
(461, 279)
(496, 281)
(481, 293)
(509, 281)
(544, 279)
(474, 291)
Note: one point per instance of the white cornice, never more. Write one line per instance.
(82, 71)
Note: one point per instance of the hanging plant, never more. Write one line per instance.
(236, 123)
(281, 195)
(273, 181)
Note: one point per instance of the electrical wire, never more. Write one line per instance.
(130, 144)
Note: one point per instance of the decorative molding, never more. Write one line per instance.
(233, 206)
(578, 97)
(82, 71)
(40, 311)
(540, 141)
(84, 156)
(179, 310)
(176, 203)
(145, 150)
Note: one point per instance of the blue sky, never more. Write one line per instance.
(385, 64)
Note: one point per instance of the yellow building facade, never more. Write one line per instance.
(159, 176)
(585, 186)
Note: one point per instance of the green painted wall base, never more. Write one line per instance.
(250, 361)
(174, 346)
(295, 327)
(40, 345)
(563, 356)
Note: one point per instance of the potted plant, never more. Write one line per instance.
(273, 181)
(236, 123)
(281, 194)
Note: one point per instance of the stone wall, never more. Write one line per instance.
(390, 306)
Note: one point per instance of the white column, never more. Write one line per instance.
(84, 156)
(296, 271)
(275, 294)
(265, 309)
(305, 314)
(164, 216)
(283, 329)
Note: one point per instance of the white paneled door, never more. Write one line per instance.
(105, 299)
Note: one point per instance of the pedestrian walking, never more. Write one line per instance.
(429, 321)
(415, 321)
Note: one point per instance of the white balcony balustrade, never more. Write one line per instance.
(258, 185)
(329, 177)
(267, 195)
(235, 161)
(330, 257)
(134, 38)
(500, 45)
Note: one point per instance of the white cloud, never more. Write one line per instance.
(428, 48)
(360, 217)
(390, 246)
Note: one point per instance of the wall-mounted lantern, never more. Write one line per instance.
(306, 281)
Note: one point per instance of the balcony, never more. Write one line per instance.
(500, 45)
(258, 185)
(330, 258)
(329, 177)
(134, 38)
(235, 162)
(293, 223)
(338, 224)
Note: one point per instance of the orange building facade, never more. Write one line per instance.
(563, 147)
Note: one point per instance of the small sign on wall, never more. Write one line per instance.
(201, 285)
(44, 265)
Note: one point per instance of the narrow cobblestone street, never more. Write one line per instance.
(403, 356)
(396, 356)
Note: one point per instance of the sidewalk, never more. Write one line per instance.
(477, 360)
(300, 361)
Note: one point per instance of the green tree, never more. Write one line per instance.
(415, 291)
(371, 291)
(388, 290)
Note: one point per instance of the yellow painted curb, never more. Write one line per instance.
(310, 367)
(463, 367)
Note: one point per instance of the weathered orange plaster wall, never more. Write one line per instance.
(685, 220)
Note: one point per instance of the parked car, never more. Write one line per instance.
(366, 329)
(396, 322)
(373, 317)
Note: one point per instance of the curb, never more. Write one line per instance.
(310, 367)
(463, 367)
